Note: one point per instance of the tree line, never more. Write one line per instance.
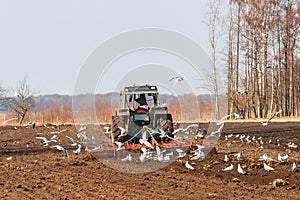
(262, 59)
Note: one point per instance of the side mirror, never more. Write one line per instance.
(130, 98)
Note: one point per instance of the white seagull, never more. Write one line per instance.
(122, 131)
(127, 158)
(265, 123)
(228, 168)
(240, 169)
(292, 145)
(120, 145)
(185, 129)
(77, 151)
(46, 141)
(74, 143)
(82, 128)
(62, 149)
(199, 155)
(181, 153)
(226, 159)
(282, 158)
(265, 157)
(54, 137)
(267, 167)
(9, 158)
(294, 168)
(187, 165)
(238, 156)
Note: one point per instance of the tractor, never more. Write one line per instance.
(140, 111)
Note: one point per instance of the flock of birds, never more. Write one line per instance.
(165, 155)
(81, 134)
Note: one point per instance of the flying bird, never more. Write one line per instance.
(185, 129)
(228, 168)
(122, 131)
(9, 158)
(74, 143)
(77, 151)
(176, 79)
(61, 148)
(45, 140)
(120, 145)
(54, 137)
(187, 165)
(267, 167)
(82, 128)
(32, 124)
(265, 123)
(10, 120)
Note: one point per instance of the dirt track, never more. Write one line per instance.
(38, 172)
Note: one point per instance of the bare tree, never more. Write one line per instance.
(215, 26)
(23, 100)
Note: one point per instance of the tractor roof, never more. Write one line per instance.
(140, 89)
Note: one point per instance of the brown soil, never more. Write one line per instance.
(38, 172)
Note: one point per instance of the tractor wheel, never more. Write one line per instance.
(168, 127)
(115, 126)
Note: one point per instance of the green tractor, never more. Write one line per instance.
(140, 110)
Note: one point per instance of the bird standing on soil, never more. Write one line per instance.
(292, 145)
(294, 167)
(282, 158)
(268, 168)
(238, 156)
(228, 168)
(127, 158)
(198, 155)
(265, 157)
(226, 159)
(240, 169)
(187, 165)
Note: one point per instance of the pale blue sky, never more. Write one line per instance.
(47, 41)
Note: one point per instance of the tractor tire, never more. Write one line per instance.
(115, 126)
(168, 127)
